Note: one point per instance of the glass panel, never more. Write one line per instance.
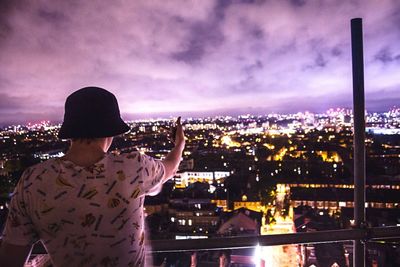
(327, 254)
(333, 254)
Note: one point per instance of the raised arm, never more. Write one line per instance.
(172, 160)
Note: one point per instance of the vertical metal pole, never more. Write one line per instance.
(359, 136)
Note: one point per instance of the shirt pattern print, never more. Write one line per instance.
(85, 216)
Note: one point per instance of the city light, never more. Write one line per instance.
(270, 174)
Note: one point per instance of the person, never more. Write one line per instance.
(87, 206)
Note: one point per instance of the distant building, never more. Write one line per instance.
(241, 222)
(251, 204)
(334, 197)
(184, 179)
(191, 219)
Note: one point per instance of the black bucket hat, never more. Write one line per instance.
(92, 112)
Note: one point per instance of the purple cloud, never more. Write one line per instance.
(197, 57)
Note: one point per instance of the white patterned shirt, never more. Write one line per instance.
(85, 216)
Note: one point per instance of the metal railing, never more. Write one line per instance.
(362, 235)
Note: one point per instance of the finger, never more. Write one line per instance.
(178, 121)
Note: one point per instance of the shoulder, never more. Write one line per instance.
(40, 168)
(138, 159)
(123, 160)
(33, 175)
(131, 156)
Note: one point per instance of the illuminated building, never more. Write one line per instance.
(184, 179)
(193, 219)
(278, 256)
(334, 197)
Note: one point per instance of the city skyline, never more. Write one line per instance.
(234, 114)
(194, 57)
(386, 122)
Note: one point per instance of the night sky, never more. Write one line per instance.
(198, 57)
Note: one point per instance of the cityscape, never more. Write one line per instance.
(248, 175)
(272, 174)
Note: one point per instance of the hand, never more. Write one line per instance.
(177, 133)
(174, 157)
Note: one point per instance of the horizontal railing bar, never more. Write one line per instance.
(273, 240)
(237, 242)
(384, 232)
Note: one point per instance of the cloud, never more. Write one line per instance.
(7, 7)
(194, 56)
(385, 55)
(202, 36)
(11, 103)
(28, 108)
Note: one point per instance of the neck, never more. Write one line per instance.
(87, 153)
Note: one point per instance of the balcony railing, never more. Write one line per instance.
(220, 243)
(225, 243)
(364, 235)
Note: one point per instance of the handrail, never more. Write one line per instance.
(236, 242)
(273, 240)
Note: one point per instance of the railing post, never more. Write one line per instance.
(193, 259)
(359, 136)
(225, 258)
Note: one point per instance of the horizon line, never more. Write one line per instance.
(192, 115)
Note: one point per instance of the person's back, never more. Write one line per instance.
(87, 207)
(88, 215)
